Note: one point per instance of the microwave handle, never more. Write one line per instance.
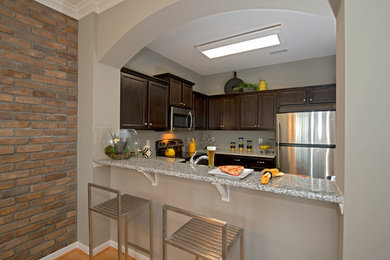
(190, 114)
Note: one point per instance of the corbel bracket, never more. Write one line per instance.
(224, 191)
(152, 177)
(341, 205)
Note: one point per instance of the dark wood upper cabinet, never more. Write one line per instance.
(133, 100)
(143, 101)
(175, 92)
(289, 97)
(158, 106)
(308, 95)
(258, 110)
(180, 90)
(248, 111)
(266, 110)
(200, 110)
(214, 113)
(223, 112)
(322, 94)
(187, 95)
(230, 112)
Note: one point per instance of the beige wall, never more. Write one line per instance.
(310, 72)
(367, 127)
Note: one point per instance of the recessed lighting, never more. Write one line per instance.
(239, 47)
(261, 38)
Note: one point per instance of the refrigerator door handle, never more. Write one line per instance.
(278, 146)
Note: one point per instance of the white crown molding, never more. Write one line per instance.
(79, 9)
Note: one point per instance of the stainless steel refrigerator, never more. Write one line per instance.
(306, 142)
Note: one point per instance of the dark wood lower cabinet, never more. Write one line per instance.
(251, 162)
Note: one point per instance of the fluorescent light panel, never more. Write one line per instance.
(249, 45)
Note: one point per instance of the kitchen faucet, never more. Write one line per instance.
(196, 161)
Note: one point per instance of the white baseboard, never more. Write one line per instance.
(96, 250)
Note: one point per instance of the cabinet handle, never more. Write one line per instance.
(184, 104)
(260, 162)
(304, 99)
(150, 124)
(145, 123)
(237, 160)
(311, 99)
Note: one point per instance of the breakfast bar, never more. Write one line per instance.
(273, 216)
(290, 185)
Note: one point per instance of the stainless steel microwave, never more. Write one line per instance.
(181, 119)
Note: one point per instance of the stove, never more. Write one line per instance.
(176, 144)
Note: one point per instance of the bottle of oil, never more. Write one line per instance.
(249, 146)
(232, 146)
(241, 144)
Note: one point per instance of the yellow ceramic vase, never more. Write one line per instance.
(262, 85)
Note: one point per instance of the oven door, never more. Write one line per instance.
(181, 119)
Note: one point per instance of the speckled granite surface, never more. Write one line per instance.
(291, 185)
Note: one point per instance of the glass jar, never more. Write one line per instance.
(232, 146)
(249, 146)
(241, 144)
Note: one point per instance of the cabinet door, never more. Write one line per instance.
(200, 110)
(323, 94)
(175, 93)
(158, 106)
(186, 96)
(230, 112)
(248, 111)
(266, 110)
(292, 97)
(133, 102)
(214, 113)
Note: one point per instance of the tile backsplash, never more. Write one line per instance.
(222, 138)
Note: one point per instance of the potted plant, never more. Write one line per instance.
(118, 144)
(246, 87)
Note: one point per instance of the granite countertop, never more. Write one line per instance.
(290, 185)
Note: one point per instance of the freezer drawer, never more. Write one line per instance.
(313, 162)
(317, 127)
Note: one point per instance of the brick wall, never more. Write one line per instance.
(38, 129)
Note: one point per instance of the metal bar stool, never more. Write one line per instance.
(202, 236)
(119, 208)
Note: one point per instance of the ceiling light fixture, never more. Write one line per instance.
(253, 40)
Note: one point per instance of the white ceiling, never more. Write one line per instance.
(304, 35)
(77, 9)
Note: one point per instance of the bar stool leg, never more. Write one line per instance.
(90, 235)
(242, 246)
(119, 239)
(150, 232)
(196, 257)
(126, 240)
(164, 233)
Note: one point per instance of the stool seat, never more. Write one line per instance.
(204, 239)
(201, 236)
(129, 203)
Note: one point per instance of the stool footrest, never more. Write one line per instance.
(146, 251)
